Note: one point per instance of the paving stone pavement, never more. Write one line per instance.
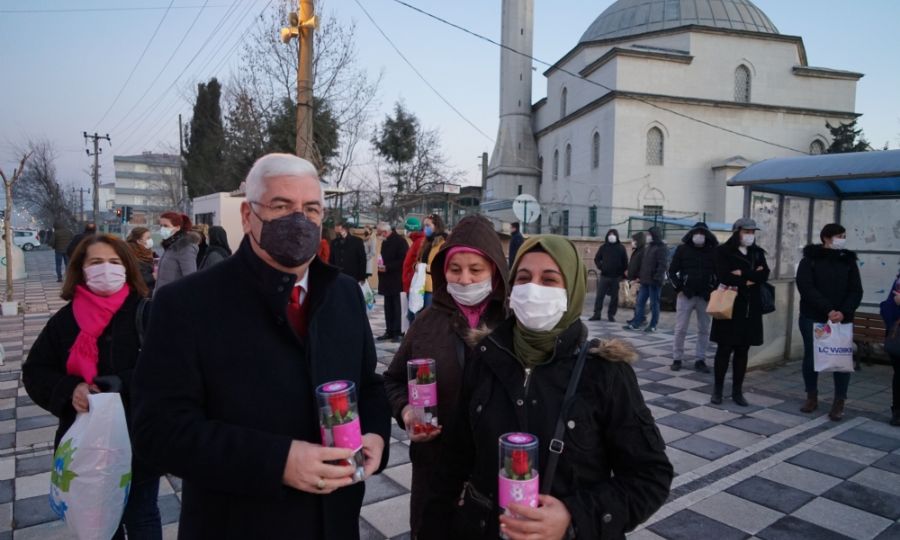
(765, 471)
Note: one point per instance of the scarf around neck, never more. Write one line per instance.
(140, 252)
(534, 348)
(92, 315)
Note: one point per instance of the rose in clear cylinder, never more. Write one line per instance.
(423, 397)
(339, 421)
(519, 481)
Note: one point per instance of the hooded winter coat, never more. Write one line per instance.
(653, 266)
(613, 473)
(637, 256)
(745, 326)
(428, 337)
(890, 311)
(611, 258)
(179, 259)
(693, 268)
(828, 280)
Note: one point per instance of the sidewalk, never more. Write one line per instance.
(764, 471)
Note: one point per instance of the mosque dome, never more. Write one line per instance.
(631, 17)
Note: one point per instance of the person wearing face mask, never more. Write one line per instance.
(830, 290)
(612, 262)
(225, 391)
(693, 274)
(470, 288)
(141, 244)
(435, 235)
(415, 237)
(181, 246)
(741, 264)
(638, 248)
(652, 274)
(91, 345)
(612, 471)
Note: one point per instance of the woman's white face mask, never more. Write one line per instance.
(471, 294)
(538, 308)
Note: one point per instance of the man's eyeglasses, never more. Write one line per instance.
(280, 209)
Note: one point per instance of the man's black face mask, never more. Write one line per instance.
(291, 240)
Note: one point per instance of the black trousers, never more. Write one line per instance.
(724, 353)
(607, 286)
(895, 360)
(392, 315)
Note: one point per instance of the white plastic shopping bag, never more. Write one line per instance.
(417, 289)
(833, 346)
(91, 474)
(369, 295)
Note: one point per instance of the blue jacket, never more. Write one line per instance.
(890, 311)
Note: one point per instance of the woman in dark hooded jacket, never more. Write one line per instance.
(741, 264)
(218, 249)
(612, 471)
(830, 290)
(469, 276)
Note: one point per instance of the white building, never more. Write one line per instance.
(637, 115)
(149, 183)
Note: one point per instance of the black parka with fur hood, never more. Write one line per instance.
(613, 472)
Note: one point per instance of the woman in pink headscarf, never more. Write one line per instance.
(469, 276)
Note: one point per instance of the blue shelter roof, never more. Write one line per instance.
(858, 175)
(684, 223)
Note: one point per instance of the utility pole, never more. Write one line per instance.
(96, 172)
(303, 24)
(185, 200)
(81, 191)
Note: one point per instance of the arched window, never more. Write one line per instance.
(562, 102)
(555, 165)
(655, 146)
(595, 151)
(541, 168)
(568, 159)
(816, 147)
(742, 84)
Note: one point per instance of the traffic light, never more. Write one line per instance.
(118, 211)
(128, 212)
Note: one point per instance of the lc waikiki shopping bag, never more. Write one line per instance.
(833, 347)
(721, 302)
(417, 288)
(368, 295)
(91, 474)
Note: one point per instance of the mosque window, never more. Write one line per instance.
(595, 151)
(816, 147)
(562, 102)
(742, 84)
(568, 159)
(541, 169)
(555, 165)
(655, 146)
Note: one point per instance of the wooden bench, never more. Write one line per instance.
(868, 328)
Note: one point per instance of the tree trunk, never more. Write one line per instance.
(7, 235)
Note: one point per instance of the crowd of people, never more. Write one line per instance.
(219, 386)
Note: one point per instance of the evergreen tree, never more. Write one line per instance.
(395, 141)
(245, 139)
(282, 132)
(205, 142)
(846, 138)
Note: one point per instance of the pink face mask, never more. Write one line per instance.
(104, 279)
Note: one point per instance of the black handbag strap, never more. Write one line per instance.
(556, 444)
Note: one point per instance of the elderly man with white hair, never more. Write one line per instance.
(225, 391)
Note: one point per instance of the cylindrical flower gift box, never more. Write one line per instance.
(339, 420)
(518, 478)
(423, 396)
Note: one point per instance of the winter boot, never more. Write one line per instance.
(837, 410)
(676, 365)
(716, 398)
(895, 418)
(738, 398)
(701, 367)
(811, 403)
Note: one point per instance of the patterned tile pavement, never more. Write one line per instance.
(765, 471)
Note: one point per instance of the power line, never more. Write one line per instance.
(104, 10)
(136, 64)
(419, 74)
(166, 65)
(601, 85)
(160, 123)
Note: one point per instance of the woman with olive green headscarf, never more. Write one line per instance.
(612, 472)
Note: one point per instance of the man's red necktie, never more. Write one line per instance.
(296, 312)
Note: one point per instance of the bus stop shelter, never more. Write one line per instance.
(793, 198)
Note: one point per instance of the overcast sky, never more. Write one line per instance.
(64, 62)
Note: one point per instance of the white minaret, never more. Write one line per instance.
(514, 161)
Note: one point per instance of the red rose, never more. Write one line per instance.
(423, 374)
(339, 403)
(520, 464)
